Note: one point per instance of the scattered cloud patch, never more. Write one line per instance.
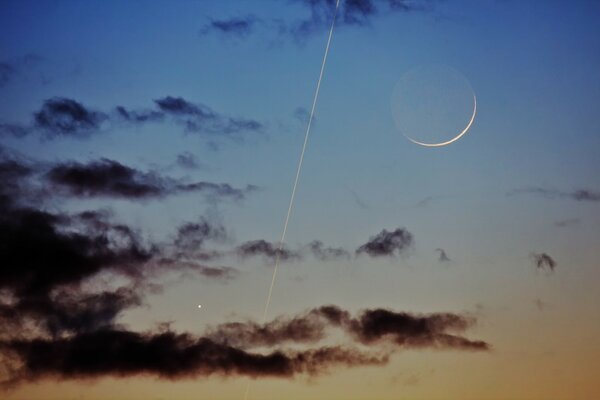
(543, 261)
(442, 256)
(387, 244)
(585, 195)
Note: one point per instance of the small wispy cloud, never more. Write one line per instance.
(543, 261)
(586, 195)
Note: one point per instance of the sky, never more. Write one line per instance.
(148, 151)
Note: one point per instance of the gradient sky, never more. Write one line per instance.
(522, 183)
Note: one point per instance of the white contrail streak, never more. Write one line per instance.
(298, 170)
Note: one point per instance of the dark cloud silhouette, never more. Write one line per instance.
(270, 251)
(543, 261)
(267, 250)
(578, 195)
(109, 178)
(42, 250)
(369, 327)
(139, 116)
(188, 161)
(443, 257)
(325, 253)
(319, 17)
(191, 236)
(15, 130)
(225, 350)
(61, 116)
(64, 117)
(167, 355)
(387, 243)
(240, 26)
(410, 330)
(180, 263)
(201, 118)
(302, 115)
(47, 258)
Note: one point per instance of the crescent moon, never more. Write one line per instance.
(461, 134)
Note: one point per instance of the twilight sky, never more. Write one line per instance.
(148, 151)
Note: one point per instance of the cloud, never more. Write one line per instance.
(201, 118)
(443, 257)
(387, 243)
(42, 250)
(267, 250)
(226, 349)
(192, 235)
(187, 160)
(139, 116)
(302, 115)
(408, 330)
(325, 253)
(318, 17)
(577, 195)
(167, 355)
(270, 251)
(240, 26)
(109, 178)
(543, 261)
(369, 327)
(64, 117)
(61, 116)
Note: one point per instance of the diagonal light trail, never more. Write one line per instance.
(298, 170)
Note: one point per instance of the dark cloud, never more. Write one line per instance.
(139, 116)
(109, 178)
(66, 310)
(387, 243)
(225, 350)
(220, 273)
(409, 330)
(270, 251)
(578, 195)
(267, 250)
(199, 118)
(325, 253)
(191, 236)
(48, 258)
(302, 115)
(167, 355)
(14, 130)
(318, 17)
(370, 327)
(188, 161)
(61, 116)
(41, 250)
(543, 261)
(443, 257)
(241, 26)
